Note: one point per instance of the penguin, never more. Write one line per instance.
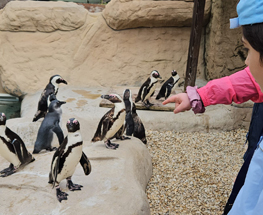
(51, 88)
(12, 148)
(133, 123)
(49, 125)
(128, 123)
(66, 158)
(111, 122)
(168, 86)
(138, 128)
(148, 88)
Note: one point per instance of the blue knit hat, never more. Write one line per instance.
(249, 12)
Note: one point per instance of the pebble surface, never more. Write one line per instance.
(193, 173)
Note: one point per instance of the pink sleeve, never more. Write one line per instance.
(239, 87)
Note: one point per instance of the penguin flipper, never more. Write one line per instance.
(39, 114)
(42, 106)
(104, 124)
(138, 98)
(22, 153)
(85, 163)
(144, 93)
(58, 131)
(129, 124)
(139, 130)
(169, 90)
(56, 158)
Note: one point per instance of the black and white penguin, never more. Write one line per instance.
(133, 123)
(66, 158)
(168, 86)
(111, 122)
(128, 123)
(49, 125)
(51, 88)
(148, 88)
(138, 128)
(12, 148)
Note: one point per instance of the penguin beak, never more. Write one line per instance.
(63, 81)
(160, 77)
(62, 102)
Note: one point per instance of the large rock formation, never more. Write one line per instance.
(116, 184)
(135, 14)
(224, 53)
(37, 43)
(39, 39)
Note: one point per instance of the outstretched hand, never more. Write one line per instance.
(181, 100)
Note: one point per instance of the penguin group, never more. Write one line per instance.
(113, 124)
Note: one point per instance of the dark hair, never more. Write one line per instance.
(254, 35)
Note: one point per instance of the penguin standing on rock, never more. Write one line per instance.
(129, 124)
(66, 158)
(148, 88)
(12, 148)
(168, 86)
(111, 122)
(51, 88)
(49, 125)
(133, 123)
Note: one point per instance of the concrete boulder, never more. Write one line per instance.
(116, 184)
(129, 14)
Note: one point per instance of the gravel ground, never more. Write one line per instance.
(193, 173)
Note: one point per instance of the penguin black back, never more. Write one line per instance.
(168, 86)
(49, 125)
(147, 89)
(51, 88)
(139, 130)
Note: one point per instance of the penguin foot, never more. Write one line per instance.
(125, 138)
(11, 166)
(51, 149)
(61, 195)
(147, 104)
(73, 187)
(110, 145)
(8, 172)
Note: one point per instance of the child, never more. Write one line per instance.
(250, 198)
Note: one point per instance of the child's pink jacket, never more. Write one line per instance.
(238, 87)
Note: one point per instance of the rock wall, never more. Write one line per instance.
(224, 53)
(119, 46)
(37, 43)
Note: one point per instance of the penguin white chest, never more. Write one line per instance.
(72, 159)
(8, 155)
(5, 152)
(116, 125)
(151, 91)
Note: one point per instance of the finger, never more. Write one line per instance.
(169, 100)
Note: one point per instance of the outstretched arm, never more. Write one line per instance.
(239, 87)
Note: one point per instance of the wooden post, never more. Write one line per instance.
(194, 44)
